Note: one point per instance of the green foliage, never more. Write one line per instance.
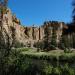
(19, 64)
(65, 44)
(73, 40)
(52, 55)
(62, 43)
(47, 37)
(23, 49)
(39, 45)
(67, 50)
(47, 69)
(73, 13)
(50, 39)
(66, 70)
(18, 45)
(53, 43)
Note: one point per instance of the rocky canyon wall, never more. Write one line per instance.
(27, 35)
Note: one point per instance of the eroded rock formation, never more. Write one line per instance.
(27, 35)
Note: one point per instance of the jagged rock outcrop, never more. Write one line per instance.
(27, 35)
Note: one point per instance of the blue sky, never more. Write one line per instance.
(37, 11)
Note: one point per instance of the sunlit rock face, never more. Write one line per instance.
(27, 35)
(5, 30)
(57, 27)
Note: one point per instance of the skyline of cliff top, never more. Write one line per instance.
(37, 11)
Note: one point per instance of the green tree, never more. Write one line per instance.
(53, 43)
(47, 37)
(73, 22)
(65, 43)
(73, 13)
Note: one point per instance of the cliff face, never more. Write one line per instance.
(26, 35)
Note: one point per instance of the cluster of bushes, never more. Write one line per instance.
(18, 64)
(63, 57)
(64, 44)
(65, 70)
(39, 45)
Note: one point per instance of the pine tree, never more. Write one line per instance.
(73, 13)
(65, 43)
(73, 21)
(47, 38)
(53, 43)
(62, 42)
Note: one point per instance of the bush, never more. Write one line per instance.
(67, 50)
(66, 70)
(39, 45)
(18, 45)
(47, 69)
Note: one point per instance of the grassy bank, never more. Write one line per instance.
(27, 61)
(57, 55)
(31, 62)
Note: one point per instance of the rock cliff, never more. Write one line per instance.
(12, 28)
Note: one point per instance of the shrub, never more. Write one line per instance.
(39, 45)
(18, 45)
(47, 69)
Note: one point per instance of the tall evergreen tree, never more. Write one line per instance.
(73, 22)
(47, 38)
(53, 43)
(73, 13)
(63, 42)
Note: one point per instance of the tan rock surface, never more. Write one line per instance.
(28, 34)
